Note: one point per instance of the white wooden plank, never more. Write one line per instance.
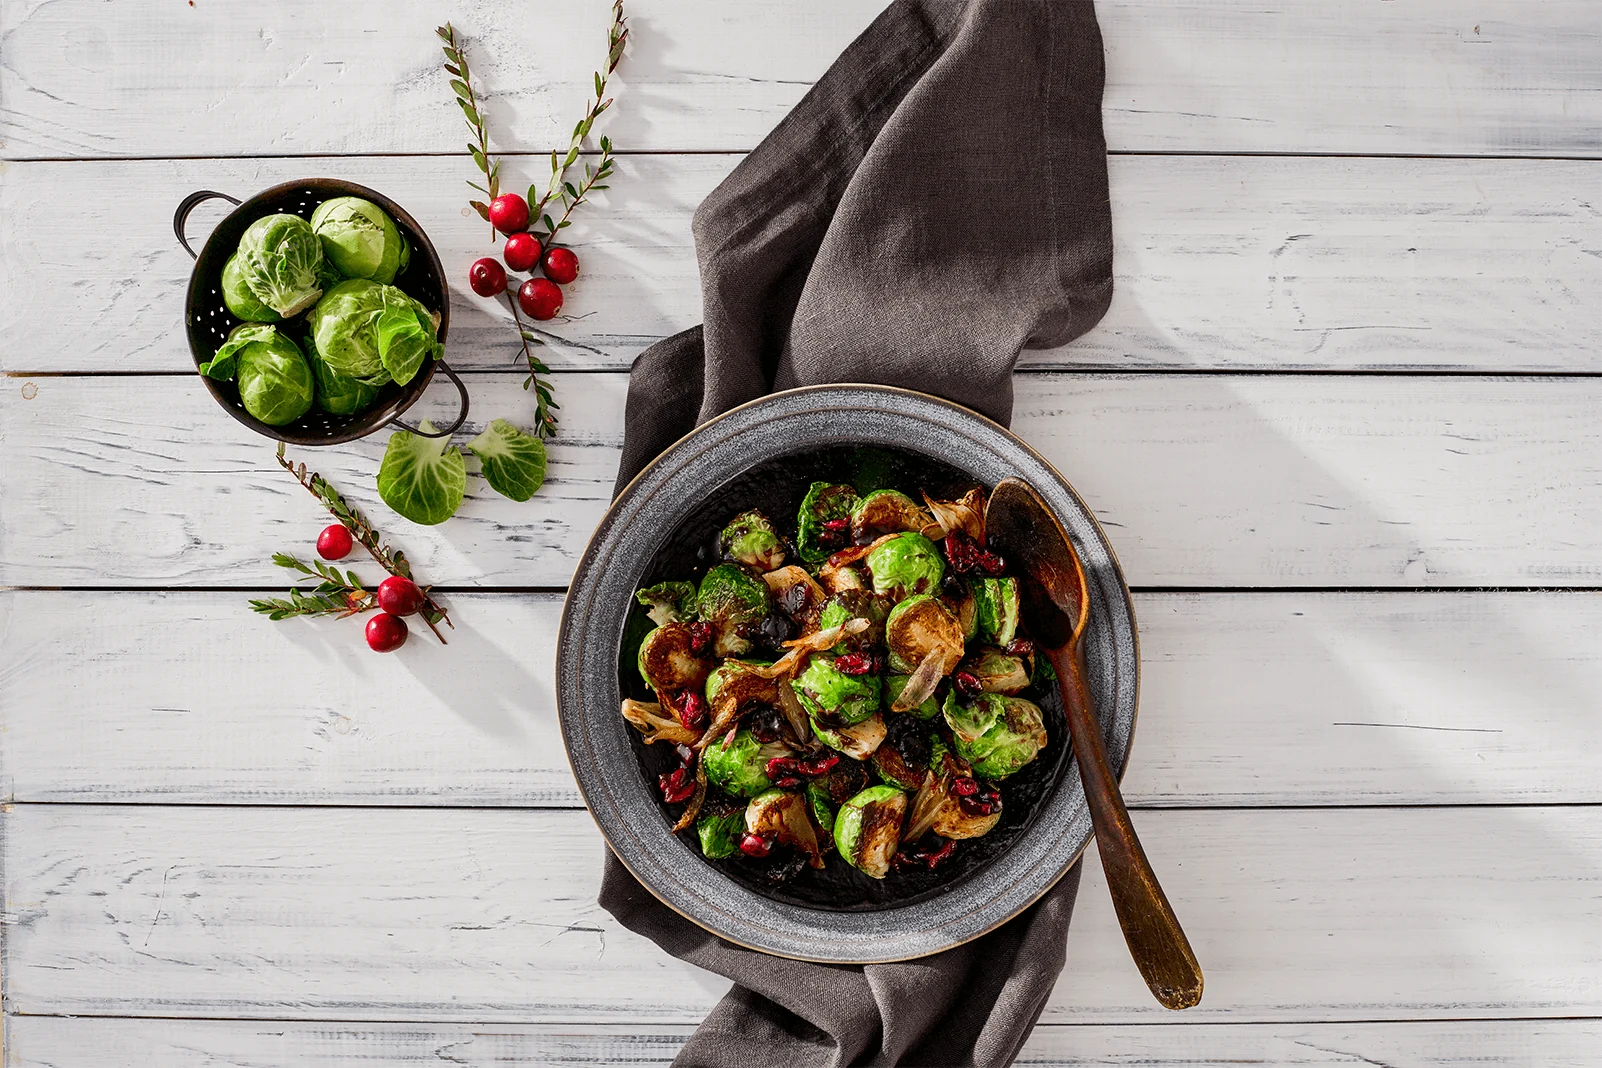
(1201, 480)
(77, 1042)
(1222, 262)
(1246, 699)
(489, 916)
(154, 79)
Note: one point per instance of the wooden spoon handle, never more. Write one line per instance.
(1158, 945)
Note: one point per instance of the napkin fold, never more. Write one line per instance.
(935, 204)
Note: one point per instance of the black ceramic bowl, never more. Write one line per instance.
(208, 320)
(762, 454)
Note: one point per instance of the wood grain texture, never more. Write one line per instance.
(157, 79)
(1222, 262)
(1246, 699)
(87, 1042)
(1201, 481)
(490, 916)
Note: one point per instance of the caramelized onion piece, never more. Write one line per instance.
(656, 723)
(693, 809)
(966, 514)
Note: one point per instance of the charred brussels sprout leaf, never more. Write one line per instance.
(668, 662)
(669, 602)
(823, 525)
(277, 266)
(359, 239)
(996, 734)
(422, 478)
(731, 598)
(857, 741)
(906, 565)
(867, 829)
(996, 604)
(750, 539)
(887, 512)
(513, 462)
(830, 695)
(894, 684)
(720, 835)
(784, 816)
(740, 767)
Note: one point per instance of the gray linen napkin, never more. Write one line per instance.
(936, 203)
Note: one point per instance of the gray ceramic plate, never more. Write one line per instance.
(699, 474)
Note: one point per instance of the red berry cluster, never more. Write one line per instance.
(397, 595)
(540, 298)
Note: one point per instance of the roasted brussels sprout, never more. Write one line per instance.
(750, 539)
(888, 511)
(833, 697)
(797, 594)
(783, 817)
(855, 604)
(720, 835)
(892, 687)
(359, 239)
(828, 792)
(996, 734)
(731, 598)
(960, 602)
(905, 565)
(669, 659)
(867, 829)
(902, 759)
(996, 600)
(277, 266)
(669, 602)
(857, 741)
(924, 640)
(951, 802)
(740, 767)
(823, 525)
(996, 671)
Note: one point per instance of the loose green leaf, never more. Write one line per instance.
(422, 479)
(481, 208)
(513, 461)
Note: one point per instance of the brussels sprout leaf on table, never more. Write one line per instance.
(513, 462)
(422, 478)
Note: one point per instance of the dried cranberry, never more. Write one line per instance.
(967, 683)
(834, 533)
(983, 801)
(930, 851)
(786, 869)
(854, 663)
(836, 525)
(1021, 647)
(676, 785)
(700, 638)
(756, 845)
(690, 707)
(817, 766)
(766, 724)
(963, 786)
(964, 554)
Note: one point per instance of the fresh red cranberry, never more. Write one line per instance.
(700, 638)
(561, 265)
(676, 785)
(508, 213)
(386, 633)
(334, 543)
(522, 251)
(540, 298)
(967, 683)
(399, 596)
(854, 663)
(487, 277)
(756, 845)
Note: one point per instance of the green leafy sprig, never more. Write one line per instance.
(336, 593)
(544, 402)
(394, 561)
(468, 100)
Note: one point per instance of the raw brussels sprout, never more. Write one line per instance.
(373, 333)
(422, 478)
(239, 299)
(279, 259)
(720, 835)
(359, 239)
(740, 767)
(669, 602)
(750, 539)
(784, 816)
(730, 598)
(903, 758)
(828, 792)
(275, 381)
(338, 394)
(857, 741)
(833, 697)
(906, 565)
(996, 734)
(867, 830)
(997, 671)
(667, 660)
(892, 687)
(887, 511)
(996, 600)
(825, 507)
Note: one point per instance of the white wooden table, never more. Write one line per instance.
(1343, 421)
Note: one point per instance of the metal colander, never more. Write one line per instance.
(208, 320)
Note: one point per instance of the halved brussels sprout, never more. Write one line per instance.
(828, 792)
(905, 565)
(278, 264)
(784, 816)
(857, 741)
(751, 539)
(740, 767)
(823, 524)
(831, 696)
(995, 734)
(720, 835)
(360, 239)
(888, 511)
(936, 807)
(892, 687)
(996, 600)
(855, 604)
(924, 640)
(669, 602)
(797, 594)
(668, 662)
(903, 758)
(867, 830)
(730, 598)
(964, 608)
(997, 671)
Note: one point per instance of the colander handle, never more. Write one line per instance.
(461, 416)
(189, 204)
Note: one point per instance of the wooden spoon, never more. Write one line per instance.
(1056, 607)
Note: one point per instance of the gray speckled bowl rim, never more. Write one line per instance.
(596, 737)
